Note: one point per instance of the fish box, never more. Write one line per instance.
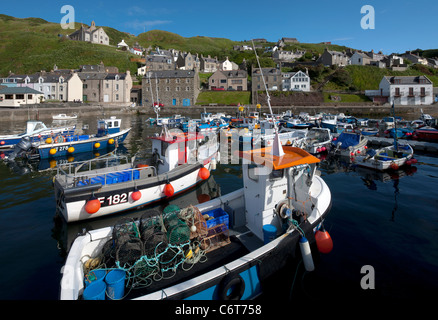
(216, 217)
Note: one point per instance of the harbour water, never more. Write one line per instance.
(384, 222)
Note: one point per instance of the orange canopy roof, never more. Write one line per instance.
(292, 157)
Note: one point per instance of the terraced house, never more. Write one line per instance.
(171, 87)
(235, 80)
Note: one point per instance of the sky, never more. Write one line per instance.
(398, 25)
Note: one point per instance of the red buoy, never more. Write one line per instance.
(204, 174)
(92, 205)
(323, 241)
(168, 190)
(136, 195)
(394, 166)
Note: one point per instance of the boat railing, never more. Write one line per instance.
(112, 177)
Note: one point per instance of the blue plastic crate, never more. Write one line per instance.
(219, 217)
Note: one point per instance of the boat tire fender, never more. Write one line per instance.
(231, 288)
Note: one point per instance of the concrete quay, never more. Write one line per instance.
(424, 146)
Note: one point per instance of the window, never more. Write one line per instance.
(19, 96)
(61, 97)
(117, 97)
(9, 97)
(423, 92)
(29, 96)
(411, 92)
(85, 86)
(167, 88)
(397, 92)
(252, 172)
(117, 87)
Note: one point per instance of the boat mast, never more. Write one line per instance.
(395, 127)
(277, 149)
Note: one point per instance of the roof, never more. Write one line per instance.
(18, 90)
(172, 74)
(292, 157)
(407, 79)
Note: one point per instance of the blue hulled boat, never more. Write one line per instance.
(36, 131)
(108, 135)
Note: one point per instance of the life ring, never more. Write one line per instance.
(59, 139)
(231, 288)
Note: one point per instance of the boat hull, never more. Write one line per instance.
(88, 145)
(117, 197)
(382, 161)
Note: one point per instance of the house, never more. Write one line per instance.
(406, 90)
(19, 96)
(91, 34)
(228, 65)
(295, 81)
(105, 84)
(186, 61)
(208, 64)
(360, 59)
(229, 80)
(61, 85)
(285, 41)
(123, 45)
(171, 87)
(159, 62)
(414, 58)
(330, 58)
(136, 51)
(287, 55)
(432, 62)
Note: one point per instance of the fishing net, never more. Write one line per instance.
(154, 246)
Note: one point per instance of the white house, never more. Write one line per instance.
(295, 81)
(18, 96)
(360, 58)
(228, 65)
(407, 90)
(122, 45)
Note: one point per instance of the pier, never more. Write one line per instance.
(416, 145)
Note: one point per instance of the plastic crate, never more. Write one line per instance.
(219, 216)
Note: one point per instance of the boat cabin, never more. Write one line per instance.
(173, 148)
(264, 174)
(108, 126)
(34, 126)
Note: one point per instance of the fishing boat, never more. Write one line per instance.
(177, 164)
(426, 133)
(35, 131)
(221, 249)
(317, 140)
(108, 135)
(367, 131)
(295, 123)
(390, 157)
(329, 121)
(63, 116)
(209, 126)
(349, 144)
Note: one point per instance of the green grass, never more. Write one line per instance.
(346, 98)
(224, 97)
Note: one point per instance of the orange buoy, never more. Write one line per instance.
(97, 145)
(394, 166)
(111, 141)
(52, 151)
(92, 205)
(168, 190)
(204, 174)
(323, 241)
(136, 195)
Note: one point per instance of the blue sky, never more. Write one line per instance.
(399, 25)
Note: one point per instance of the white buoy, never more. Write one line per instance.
(307, 254)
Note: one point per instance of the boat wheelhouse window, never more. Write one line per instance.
(116, 124)
(164, 146)
(110, 124)
(252, 172)
(38, 126)
(276, 174)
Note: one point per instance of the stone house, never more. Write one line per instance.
(287, 55)
(187, 61)
(360, 59)
(208, 64)
(171, 87)
(330, 58)
(91, 34)
(159, 62)
(272, 77)
(234, 80)
(105, 84)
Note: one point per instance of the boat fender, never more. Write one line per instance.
(136, 195)
(307, 254)
(231, 288)
(111, 141)
(92, 205)
(71, 149)
(204, 174)
(97, 145)
(168, 190)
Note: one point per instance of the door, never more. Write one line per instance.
(173, 102)
(106, 98)
(186, 103)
